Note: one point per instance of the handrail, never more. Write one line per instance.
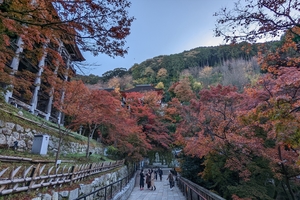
(109, 191)
(32, 177)
(193, 191)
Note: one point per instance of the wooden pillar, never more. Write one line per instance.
(37, 81)
(14, 66)
(51, 93)
(60, 114)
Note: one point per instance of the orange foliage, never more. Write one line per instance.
(145, 109)
(96, 26)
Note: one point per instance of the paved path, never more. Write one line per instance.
(162, 192)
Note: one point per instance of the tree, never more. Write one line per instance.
(162, 74)
(160, 85)
(145, 109)
(238, 72)
(250, 133)
(114, 82)
(97, 26)
(99, 111)
(250, 20)
(286, 55)
(117, 72)
(182, 90)
(42, 26)
(73, 100)
(276, 113)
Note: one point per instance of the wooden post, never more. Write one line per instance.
(33, 175)
(72, 175)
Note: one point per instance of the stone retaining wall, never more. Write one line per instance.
(10, 132)
(83, 189)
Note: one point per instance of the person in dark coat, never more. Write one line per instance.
(171, 180)
(160, 173)
(148, 179)
(155, 173)
(142, 179)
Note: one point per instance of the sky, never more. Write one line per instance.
(163, 27)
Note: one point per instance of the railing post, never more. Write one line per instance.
(33, 175)
(121, 185)
(72, 174)
(111, 191)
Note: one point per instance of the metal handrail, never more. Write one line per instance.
(193, 191)
(109, 191)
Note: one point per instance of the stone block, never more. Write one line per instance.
(19, 128)
(2, 124)
(2, 139)
(74, 194)
(6, 131)
(64, 194)
(16, 135)
(37, 198)
(46, 197)
(30, 135)
(10, 125)
(55, 196)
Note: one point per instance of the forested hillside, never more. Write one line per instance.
(204, 66)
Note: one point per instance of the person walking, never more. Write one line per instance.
(155, 173)
(175, 175)
(142, 179)
(160, 173)
(152, 180)
(171, 180)
(148, 179)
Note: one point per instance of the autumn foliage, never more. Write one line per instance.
(43, 26)
(261, 122)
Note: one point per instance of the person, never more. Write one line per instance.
(142, 179)
(171, 180)
(175, 174)
(160, 173)
(155, 173)
(148, 179)
(152, 180)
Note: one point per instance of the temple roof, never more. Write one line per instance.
(142, 88)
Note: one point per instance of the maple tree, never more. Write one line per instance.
(182, 90)
(250, 20)
(100, 112)
(276, 112)
(145, 109)
(244, 130)
(97, 26)
(31, 28)
(286, 55)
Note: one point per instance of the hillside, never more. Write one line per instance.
(167, 69)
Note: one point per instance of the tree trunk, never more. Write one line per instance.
(287, 182)
(89, 140)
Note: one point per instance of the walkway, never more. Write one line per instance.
(162, 192)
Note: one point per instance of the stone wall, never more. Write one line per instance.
(83, 189)
(10, 132)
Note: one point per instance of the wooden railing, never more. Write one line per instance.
(33, 177)
(193, 191)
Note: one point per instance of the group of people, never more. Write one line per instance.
(149, 176)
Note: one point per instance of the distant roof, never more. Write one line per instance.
(107, 89)
(142, 88)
